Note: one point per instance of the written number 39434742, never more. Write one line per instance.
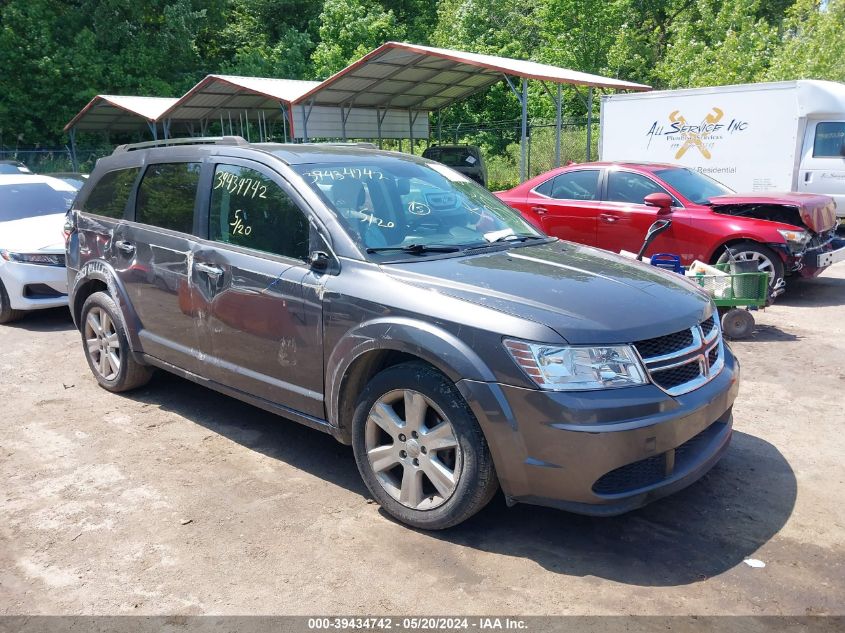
(240, 186)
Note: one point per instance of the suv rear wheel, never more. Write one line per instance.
(107, 347)
(419, 448)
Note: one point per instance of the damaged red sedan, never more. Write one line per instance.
(603, 204)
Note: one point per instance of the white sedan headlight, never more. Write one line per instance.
(43, 259)
(566, 368)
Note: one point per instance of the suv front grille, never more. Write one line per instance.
(661, 345)
(684, 361)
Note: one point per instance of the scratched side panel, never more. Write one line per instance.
(155, 276)
(261, 334)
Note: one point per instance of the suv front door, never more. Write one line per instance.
(256, 295)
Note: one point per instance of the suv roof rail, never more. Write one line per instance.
(361, 144)
(202, 140)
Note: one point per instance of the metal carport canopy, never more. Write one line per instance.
(119, 113)
(419, 78)
(231, 100)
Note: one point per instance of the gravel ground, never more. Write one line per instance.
(175, 499)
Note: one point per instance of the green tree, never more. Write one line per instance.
(718, 42)
(349, 29)
(813, 42)
(267, 38)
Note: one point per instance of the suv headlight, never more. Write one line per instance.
(796, 239)
(43, 259)
(568, 368)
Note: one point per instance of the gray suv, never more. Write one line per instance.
(391, 302)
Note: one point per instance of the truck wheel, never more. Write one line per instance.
(419, 448)
(737, 323)
(766, 259)
(7, 315)
(107, 347)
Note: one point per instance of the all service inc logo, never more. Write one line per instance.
(703, 137)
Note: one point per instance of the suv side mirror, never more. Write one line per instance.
(319, 261)
(663, 202)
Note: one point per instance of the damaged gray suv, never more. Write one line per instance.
(391, 302)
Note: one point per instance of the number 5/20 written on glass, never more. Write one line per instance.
(237, 225)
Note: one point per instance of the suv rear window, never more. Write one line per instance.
(166, 196)
(110, 194)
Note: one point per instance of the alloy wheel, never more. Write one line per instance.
(412, 448)
(102, 343)
(764, 264)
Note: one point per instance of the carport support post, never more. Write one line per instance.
(523, 150)
(589, 123)
(73, 149)
(558, 103)
(410, 131)
(439, 124)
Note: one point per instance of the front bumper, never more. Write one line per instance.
(822, 259)
(33, 286)
(607, 452)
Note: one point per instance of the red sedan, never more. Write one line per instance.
(603, 204)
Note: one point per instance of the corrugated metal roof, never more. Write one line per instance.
(423, 77)
(393, 76)
(219, 93)
(119, 112)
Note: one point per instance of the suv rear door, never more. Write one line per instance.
(262, 335)
(152, 253)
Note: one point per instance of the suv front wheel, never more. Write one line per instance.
(107, 347)
(419, 448)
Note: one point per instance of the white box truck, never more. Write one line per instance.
(782, 136)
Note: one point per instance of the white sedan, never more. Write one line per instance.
(32, 245)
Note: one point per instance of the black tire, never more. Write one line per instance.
(7, 315)
(749, 249)
(737, 323)
(473, 469)
(130, 373)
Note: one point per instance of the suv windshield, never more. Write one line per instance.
(389, 203)
(692, 185)
(27, 200)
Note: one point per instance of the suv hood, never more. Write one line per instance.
(41, 233)
(588, 296)
(818, 212)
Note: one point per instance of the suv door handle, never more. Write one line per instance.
(126, 247)
(608, 217)
(540, 210)
(211, 271)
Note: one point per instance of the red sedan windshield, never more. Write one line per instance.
(692, 185)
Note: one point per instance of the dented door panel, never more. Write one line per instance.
(259, 333)
(153, 266)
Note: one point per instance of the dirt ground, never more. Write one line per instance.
(175, 499)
